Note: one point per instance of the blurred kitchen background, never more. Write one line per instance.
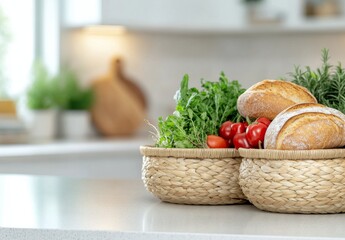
(81, 76)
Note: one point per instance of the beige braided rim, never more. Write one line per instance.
(311, 181)
(293, 154)
(198, 153)
(192, 176)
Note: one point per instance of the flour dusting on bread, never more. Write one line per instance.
(306, 126)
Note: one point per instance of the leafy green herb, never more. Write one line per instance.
(40, 93)
(199, 113)
(69, 94)
(62, 91)
(326, 83)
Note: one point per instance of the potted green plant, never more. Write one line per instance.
(75, 102)
(40, 102)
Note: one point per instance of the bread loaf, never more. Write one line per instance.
(269, 97)
(306, 126)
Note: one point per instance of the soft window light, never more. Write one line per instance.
(105, 29)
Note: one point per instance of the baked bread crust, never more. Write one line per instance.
(306, 126)
(269, 97)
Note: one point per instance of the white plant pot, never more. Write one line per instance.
(42, 124)
(76, 124)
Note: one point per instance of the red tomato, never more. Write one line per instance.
(237, 128)
(231, 144)
(240, 141)
(263, 120)
(245, 124)
(225, 130)
(214, 141)
(255, 133)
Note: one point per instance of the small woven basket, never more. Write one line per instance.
(192, 176)
(303, 181)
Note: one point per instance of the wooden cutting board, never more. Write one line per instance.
(120, 105)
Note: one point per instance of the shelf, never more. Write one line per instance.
(308, 27)
(64, 147)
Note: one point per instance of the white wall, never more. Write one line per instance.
(158, 61)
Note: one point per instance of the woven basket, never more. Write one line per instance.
(192, 176)
(303, 181)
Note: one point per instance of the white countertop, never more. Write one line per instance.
(33, 207)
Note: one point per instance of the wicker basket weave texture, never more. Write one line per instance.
(192, 180)
(294, 186)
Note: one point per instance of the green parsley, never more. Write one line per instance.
(199, 113)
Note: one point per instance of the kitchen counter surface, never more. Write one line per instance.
(42, 207)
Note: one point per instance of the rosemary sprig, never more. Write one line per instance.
(326, 83)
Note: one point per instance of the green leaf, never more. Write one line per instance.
(69, 94)
(62, 91)
(39, 94)
(199, 112)
(326, 83)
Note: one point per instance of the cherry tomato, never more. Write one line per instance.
(240, 141)
(237, 128)
(245, 124)
(263, 120)
(255, 133)
(231, 144)
(214, 141)
(225, 130)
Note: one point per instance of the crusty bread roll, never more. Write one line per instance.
(269, 97)
(306, 126)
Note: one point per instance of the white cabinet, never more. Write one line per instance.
(219, 16)
(155, 14)
(174, 14)
(78, 13)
